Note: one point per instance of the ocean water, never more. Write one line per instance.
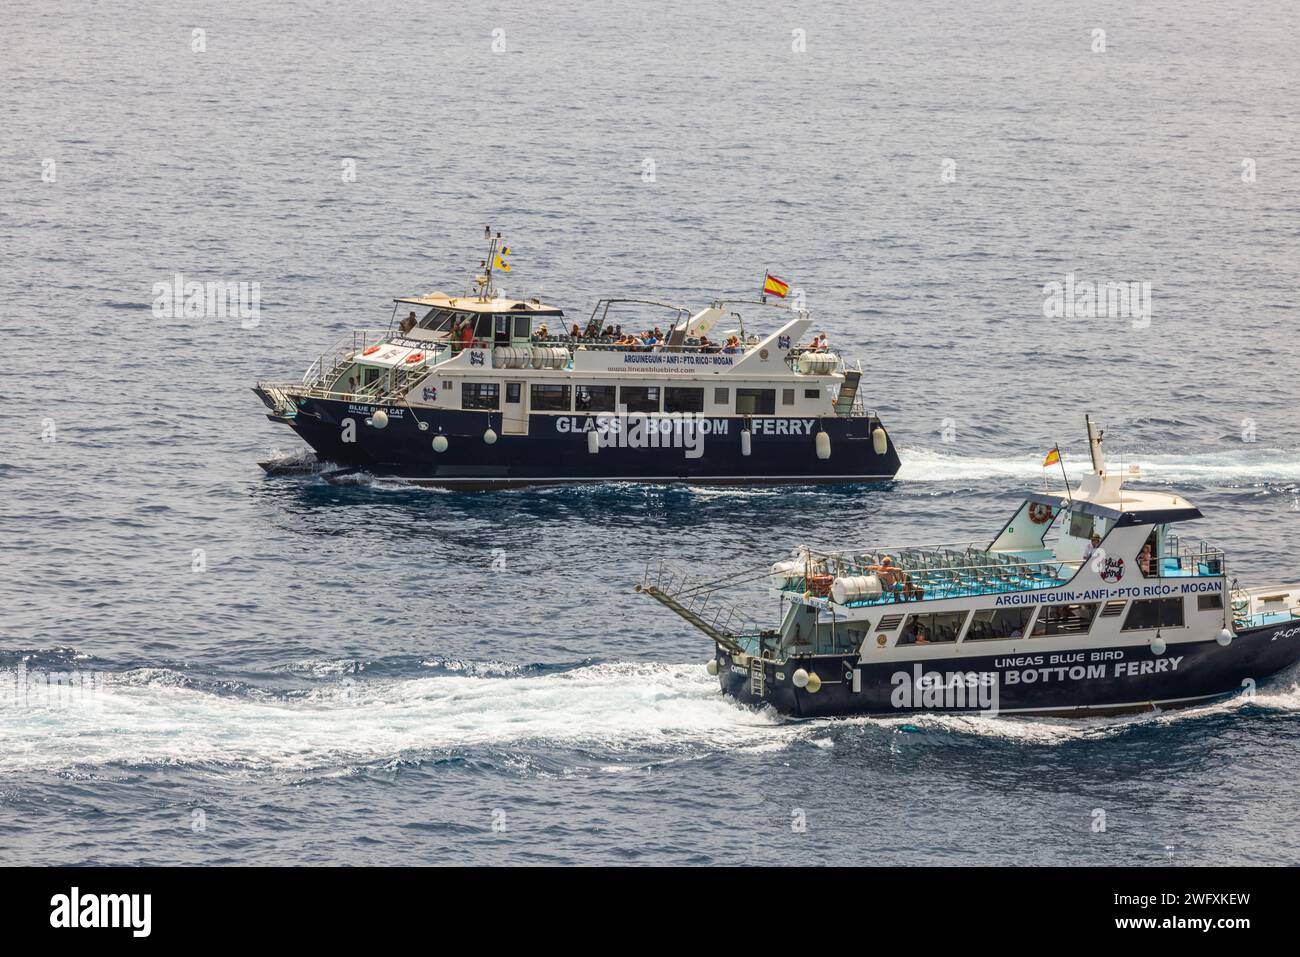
(290, 671)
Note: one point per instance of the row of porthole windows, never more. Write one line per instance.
(1075, 618)
(545, 397)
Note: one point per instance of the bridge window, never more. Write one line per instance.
(721, 395)
(679, 399)
(550, 398)
(992, 623)
(593, 398)
(1065, 620)
(639, 398)
(1154, 613)
(480, 395)
(1081, 525)
(812, 393)
(523, 327)
(931, 629)
(755, 401)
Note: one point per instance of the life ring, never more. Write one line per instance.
(1040, 514)
(415, 357)
(370, 350)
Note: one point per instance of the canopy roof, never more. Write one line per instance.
(1124, 506)
(440, 300)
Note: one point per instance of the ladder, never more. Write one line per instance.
(848, 392)
(757, 677)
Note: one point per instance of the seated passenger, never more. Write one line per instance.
(822, 344)
(891, 577)
(408, 323)
(575, 332)
(542, 333)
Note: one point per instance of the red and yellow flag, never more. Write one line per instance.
(1053, 457)
(775, 287)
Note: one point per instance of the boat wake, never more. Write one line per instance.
(152, 716)
(1252, 465)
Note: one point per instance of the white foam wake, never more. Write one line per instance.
(1263, 465)
(153, 717)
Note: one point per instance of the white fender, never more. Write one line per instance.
(879, 441)
(1224, 638)
(823, 445)
(440, 443)
(712, 667)
(800, 678)
(593, 441)
(1158, 646)
(746, 441)
(489, 437)
(379, 419)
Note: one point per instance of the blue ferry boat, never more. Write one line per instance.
(480, 391)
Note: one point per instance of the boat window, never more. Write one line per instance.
(721, 395)
(932, 629)
(787, 396)
(1154, 613)
(1081, 525)
(523, 327)
(1065, 619)
(993, 623)
(480, 395)
(1072, 619)
(755, 401)
(639, 398)
(812, 393)
(372, 376)
(1209, 602)
(550, 398)
(680, 399)
(593, 398)
(513, 391)
(439, 320)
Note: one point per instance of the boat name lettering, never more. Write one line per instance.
(1104, 594)
(677, 359)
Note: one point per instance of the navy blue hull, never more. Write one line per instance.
(556, 449)
(1100, 681)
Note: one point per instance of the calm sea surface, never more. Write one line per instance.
(347, 678)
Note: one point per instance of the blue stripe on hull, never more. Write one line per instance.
(1204, 670)
(547, 454)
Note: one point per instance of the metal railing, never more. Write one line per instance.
(932, 572)
(696, 600)
(357, 341)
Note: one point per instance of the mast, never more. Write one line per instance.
(1094, 445)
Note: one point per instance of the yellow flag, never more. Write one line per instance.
(501, 264)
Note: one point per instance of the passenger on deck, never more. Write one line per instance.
(1093, 544)
(352, 385)
(455, 335)
(891, 577)
(1147, 560)
(542, 332)
(575, 331)
(467, 335)
(733, 344)
(820, 344)
(609, 332)
(408, 323)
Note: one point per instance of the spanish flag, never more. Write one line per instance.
(1053, 457)
(774, 287)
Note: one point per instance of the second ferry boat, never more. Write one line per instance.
(479, 391)
(1116, 614)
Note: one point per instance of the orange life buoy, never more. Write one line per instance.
(1040, 514)
(370, 350)
(415, 357)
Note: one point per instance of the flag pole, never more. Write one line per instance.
(1061, 461)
